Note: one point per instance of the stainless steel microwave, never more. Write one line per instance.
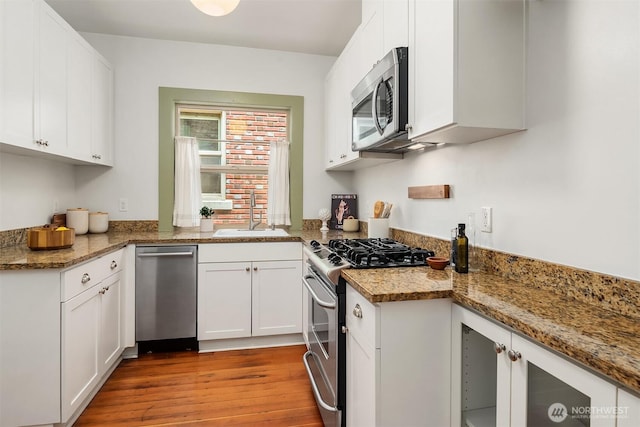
(380, 106)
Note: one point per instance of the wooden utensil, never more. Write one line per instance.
(378, 207)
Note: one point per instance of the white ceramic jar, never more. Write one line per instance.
(78, 219)
(98, 222)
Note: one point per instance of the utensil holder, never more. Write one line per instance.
(378, 228)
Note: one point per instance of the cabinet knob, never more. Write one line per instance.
(102, 291)
(357, 311)
(345, 329)
(114, 264)
(408, 127)
(499, 348)
(514, 356)
(85, 278)
(247, 269)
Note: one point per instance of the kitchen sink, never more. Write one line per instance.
(262, 232)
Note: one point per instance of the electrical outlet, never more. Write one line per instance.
(486, 220)
(124, 205)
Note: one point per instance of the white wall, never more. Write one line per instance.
(143, 65)
(32, 189)
(566, 190)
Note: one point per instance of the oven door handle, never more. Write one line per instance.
(314, 387)
(331, 305)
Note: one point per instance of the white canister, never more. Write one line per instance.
(78, 219)
(378, 227)
(98, 222)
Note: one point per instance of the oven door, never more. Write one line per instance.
(321, 359)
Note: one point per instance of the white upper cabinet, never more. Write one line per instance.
(79, 69)
(17, 44)
(384, 26)
(466, 75)
(56, 91)
(101, 111)
(50, 130)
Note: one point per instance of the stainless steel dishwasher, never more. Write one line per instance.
(165, 294)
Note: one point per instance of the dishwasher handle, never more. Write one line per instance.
(162, 254)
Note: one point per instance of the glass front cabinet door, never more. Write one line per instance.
(501, 379)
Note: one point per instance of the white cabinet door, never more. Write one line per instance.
(629, 409)
(466, 75)
(362, 381)
(224, 300)
(431, 62)
(80, 348)
(396, 25)
(110, 321)
(548, 389)
(79, 67)
(17, 22)
(481, 374)
(276, 298)
(102, 112)
(51, 82)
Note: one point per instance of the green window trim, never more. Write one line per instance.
(169, 97)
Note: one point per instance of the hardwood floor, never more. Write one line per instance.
(260, 387)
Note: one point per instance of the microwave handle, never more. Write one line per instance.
(374, 107)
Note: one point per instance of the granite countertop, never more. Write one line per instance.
(87, 246)
(601, 339)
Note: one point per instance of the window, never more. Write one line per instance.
(170, 97)
(234, 155)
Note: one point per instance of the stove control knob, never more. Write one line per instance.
(314, 244)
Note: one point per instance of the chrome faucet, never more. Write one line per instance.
(252, 204)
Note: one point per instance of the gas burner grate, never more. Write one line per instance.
(378, 253)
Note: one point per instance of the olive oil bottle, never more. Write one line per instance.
(462, 251)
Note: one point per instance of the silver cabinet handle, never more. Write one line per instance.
(96, 156)
(345, 329)
(514, 356)
(85, 278)
(499, 348)
(314, 387)
(114, 264)
(357, 311)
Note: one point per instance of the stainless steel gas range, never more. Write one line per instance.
(326, 359)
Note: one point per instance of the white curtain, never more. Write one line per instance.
(188, 191)
(278, 194)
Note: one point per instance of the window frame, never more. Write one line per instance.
(169, 97)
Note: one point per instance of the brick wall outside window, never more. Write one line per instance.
(250, 133)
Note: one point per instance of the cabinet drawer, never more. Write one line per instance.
(80, 278)
(362, 319)
(238, 252)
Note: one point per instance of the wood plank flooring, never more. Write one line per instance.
(259, 387)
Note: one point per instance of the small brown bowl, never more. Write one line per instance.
(437, 263)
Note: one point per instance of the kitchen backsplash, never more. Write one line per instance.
(19, 235)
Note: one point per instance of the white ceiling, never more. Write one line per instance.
(320, 27)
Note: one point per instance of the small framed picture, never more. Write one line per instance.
(343, 206)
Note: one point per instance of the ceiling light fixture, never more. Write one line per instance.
(216, 7)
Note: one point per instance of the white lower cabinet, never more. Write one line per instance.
(398, 360)
(254, 291)
(61, 336)
(91, 330)
(628, 410)
(502, 379)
